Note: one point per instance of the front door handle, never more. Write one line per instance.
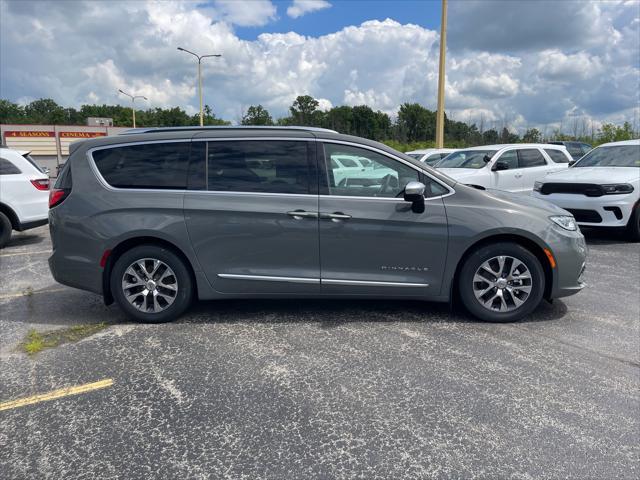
(335, 216)
(518, 175)
(300, 214)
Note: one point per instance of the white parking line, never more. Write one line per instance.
(24, 253)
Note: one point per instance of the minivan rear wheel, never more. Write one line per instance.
(5, 230)
(151, 284)
(501, 282)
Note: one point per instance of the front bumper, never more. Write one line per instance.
(570, 252)
(613, 210)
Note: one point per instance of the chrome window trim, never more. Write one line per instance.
(269, 278)
(102, 180)
(449, 189)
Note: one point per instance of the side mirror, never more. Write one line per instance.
(414, 193)
(500, 165)
(572, 162)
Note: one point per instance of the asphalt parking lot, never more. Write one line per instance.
(324, 389)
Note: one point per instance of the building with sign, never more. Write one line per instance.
(49, 144)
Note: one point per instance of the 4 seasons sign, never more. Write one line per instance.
(53, 142)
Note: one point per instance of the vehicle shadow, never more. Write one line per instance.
(73, 307)
(601, 236)
(24, 239)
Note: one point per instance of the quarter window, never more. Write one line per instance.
(150, 165)
(557, 156)
(531, 157)
(258, 166)
(8, 168)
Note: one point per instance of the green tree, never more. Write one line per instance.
(615, 133)
(44, 111)
(532, 135)
(257, 115)
(11, 112)
(303, 110)
(490, 137)
(415, 123)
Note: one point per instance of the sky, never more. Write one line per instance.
(515, 63)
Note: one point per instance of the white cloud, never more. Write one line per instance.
(245, 13)
(301, 7)
(84, 52)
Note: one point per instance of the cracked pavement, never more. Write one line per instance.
(325, 389)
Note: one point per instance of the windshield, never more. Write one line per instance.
(613, 156)
(466, 159)
(417, 156)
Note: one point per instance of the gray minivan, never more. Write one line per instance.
(155, 218)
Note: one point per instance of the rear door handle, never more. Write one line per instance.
(335, 216)
(300, 214)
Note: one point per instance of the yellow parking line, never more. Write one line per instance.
(15, 254)
(29, 293)
(63, 392)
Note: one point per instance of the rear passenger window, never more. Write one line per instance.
(8, 168)
(531, 157)
(150, 165)
(258, 166)
(557, 156)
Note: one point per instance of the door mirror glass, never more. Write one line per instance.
(572, 162)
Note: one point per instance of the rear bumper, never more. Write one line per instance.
(75, 273)
(22, 226)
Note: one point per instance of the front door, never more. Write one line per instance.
(371, 242)
(254, 222)
(510, 180)
(534, 167)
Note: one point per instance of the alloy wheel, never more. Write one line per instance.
(502, 284)
(150, 285)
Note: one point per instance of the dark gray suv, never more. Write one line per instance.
(155, 218)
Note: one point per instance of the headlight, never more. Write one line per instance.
(565, 221)
(537, 186)
(617, 188)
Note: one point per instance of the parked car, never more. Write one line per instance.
(24, 190)
(513, 168)
(430, 156)
(154, 219)
(602, 189)
(575, 149)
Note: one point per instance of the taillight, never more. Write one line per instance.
(57, 196)
(41, 184)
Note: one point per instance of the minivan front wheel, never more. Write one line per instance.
(151, 284)
(501, 282)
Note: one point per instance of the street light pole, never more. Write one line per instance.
(443, 49)
(199, 57)
(133, 104)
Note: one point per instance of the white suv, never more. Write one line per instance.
(514, 168)
(430, 156)
(602, 189)
(24, 194)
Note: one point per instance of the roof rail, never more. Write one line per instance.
(133, 131)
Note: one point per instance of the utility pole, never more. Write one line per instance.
(443, 49)
(199, 57)
(133, 104)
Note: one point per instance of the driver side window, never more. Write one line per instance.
(380, 176)
(510, 157)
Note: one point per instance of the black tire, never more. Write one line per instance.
(633, 227)
(184, 284)
(5, 230)
(486, 253)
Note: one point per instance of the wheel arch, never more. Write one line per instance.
(128, 244)
(11, 214)
(531, 245)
